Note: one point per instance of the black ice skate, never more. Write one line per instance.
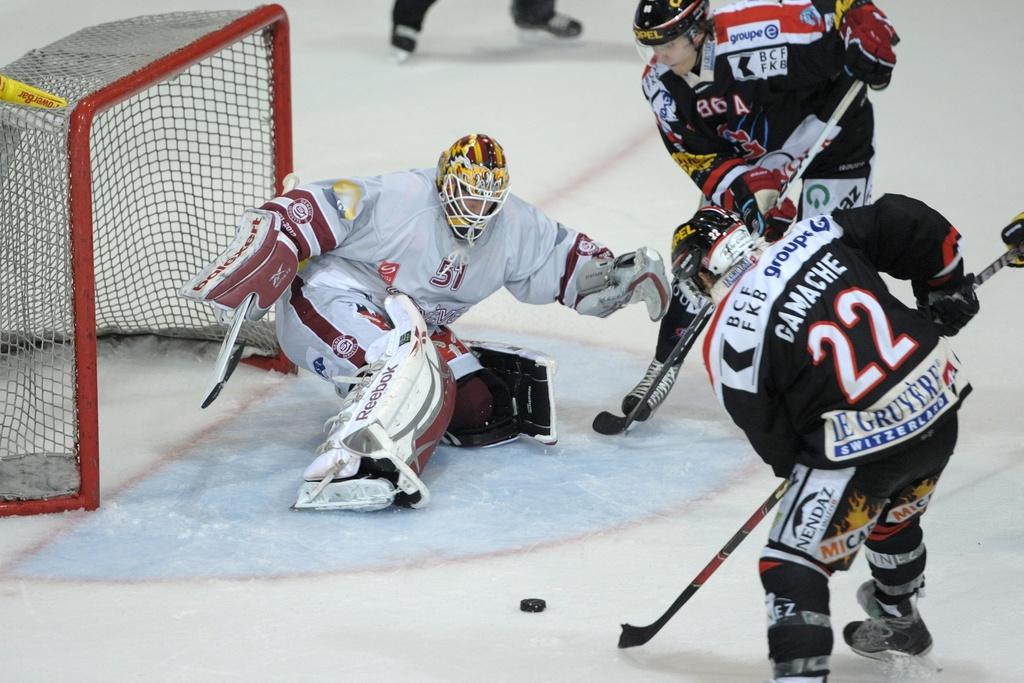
(887, 635)
(403, 42)
(657, 396)
(557, 25)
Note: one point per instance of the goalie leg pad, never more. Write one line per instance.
(484, 414)
(395, 416)
(525, 378)
(455, 352)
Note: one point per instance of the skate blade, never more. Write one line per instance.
(358, 495)
(539, 37)
(902, 665)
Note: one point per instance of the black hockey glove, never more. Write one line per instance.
(1013, 238)
(953, 308)
(869, 38)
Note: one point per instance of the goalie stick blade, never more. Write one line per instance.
(233, 360)
(229, 355)
(610, 424)
(212, 396)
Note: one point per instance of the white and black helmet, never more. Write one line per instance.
(711, 242)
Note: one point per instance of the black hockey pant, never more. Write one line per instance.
(824, 519)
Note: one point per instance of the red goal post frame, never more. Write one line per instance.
(80, 210)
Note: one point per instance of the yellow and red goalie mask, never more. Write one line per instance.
(472, 181)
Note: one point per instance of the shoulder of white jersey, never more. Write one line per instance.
(522, 216)
(353, 197)
(755, 24)
(404, 196)
(416, 186)
(525, 232)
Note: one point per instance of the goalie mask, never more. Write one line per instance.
(705, 248)
(472, 181)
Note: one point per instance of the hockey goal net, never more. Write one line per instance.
(175, 124)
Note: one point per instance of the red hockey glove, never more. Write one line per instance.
(1013, 238)
(778, 219)
(260, 260)
(754, 196)
(869, 38)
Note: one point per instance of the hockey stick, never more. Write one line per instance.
(632, 636)
(852, 93)
(609, 423)
(230, 355)
(227, 359)
(997, 265)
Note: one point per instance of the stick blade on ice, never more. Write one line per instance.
(632, 636)
(609, 424)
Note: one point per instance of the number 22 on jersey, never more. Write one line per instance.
(857, 381)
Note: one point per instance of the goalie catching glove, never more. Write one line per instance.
(605, 285)
(261, 260)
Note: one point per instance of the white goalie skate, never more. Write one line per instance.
(389, 424)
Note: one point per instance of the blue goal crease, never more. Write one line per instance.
(216, 512)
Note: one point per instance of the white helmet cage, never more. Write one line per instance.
(473, 183)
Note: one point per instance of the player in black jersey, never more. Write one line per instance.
(739, 96)
(846, 390)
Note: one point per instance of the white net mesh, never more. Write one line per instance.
(172, 169)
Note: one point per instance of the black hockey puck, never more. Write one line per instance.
(532, 605)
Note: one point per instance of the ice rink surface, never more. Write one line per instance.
(194, 569)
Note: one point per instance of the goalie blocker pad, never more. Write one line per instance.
(521, 382)
(260, 260)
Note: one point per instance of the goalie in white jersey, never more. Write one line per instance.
(389, 262)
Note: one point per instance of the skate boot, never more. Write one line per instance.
(403, 42)
(558, 25)
(657, 397)
(890, 630)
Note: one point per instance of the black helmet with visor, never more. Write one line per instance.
(657, 22)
